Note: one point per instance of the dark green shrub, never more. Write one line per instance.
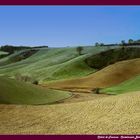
(96, 90)
(35, 82)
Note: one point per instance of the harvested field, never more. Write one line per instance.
(108, 115)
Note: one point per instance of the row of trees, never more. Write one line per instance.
(123, 42)
(11, 49)
(130, 42)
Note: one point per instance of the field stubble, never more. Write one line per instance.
(107, 115)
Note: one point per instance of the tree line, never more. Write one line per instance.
(11, 49)
(130, 42)
(123, 43)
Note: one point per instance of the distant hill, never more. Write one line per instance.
(12, 49)
(17, 56)
(50, 64)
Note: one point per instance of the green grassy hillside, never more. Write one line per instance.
(51, 64)
(17, 56)
(127, 86)
(1, 52)
(16, 92)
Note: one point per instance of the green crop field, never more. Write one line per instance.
(51, 64)
(16, 92)
(1, 52)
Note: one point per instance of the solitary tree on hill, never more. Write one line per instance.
(96, 90)
(97, 44)
(130, 41)
(123, 42)
(101, 44)
(79, 50)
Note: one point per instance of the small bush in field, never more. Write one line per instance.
(96, 90)
(35, 82)
(18, 76)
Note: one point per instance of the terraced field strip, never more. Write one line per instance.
(109, 76)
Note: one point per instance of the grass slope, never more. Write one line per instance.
(17, 56)
(52, 64)
(109, 115)
(1, 52)
(16, 92)
(109, 76)
(127, 86)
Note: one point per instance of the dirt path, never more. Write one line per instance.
(78, 95)
(82, 97)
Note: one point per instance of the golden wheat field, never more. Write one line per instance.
(118, 114)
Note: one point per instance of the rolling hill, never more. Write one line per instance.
(51, 64)
(109, 76)
(100, 114)
(16, 92)
(17, 56)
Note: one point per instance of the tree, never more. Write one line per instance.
(130, 41)
(35, 82)
(123, 42)
(7, 48)
(97, 44)
(101, 44)
(79, 50)
(96, 90)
